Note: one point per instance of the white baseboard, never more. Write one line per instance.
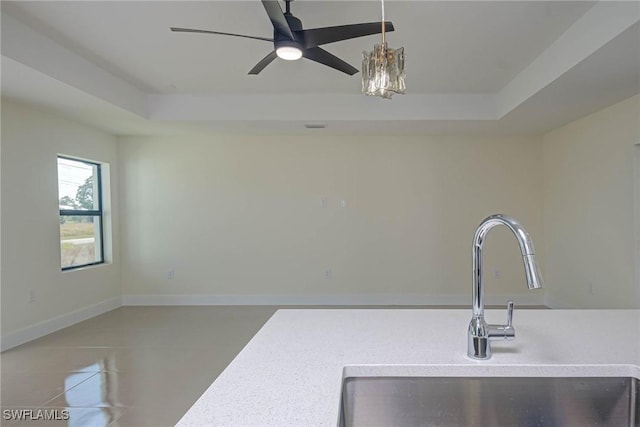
(329, 299)
(43, 328)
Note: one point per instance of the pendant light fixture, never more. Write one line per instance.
(383, 69)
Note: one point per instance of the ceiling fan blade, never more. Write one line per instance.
(277, 17)
(323, 57)
(190, 30)
(319, 36)
(263, 63)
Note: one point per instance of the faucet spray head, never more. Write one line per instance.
(532, 271)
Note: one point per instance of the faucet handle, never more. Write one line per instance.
(506, 332)
(509, 331)
(510, 314)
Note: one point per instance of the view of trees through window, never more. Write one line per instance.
(84, 196)
(80, 213)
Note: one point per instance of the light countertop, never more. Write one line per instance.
(291, 372)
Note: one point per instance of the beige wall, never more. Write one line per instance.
(588, 209)
(243, 216)
(31, 140)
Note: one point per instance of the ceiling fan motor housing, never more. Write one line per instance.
(294, 23)
(283, 40)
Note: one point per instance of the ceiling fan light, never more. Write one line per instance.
(290, 53)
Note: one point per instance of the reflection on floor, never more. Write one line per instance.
(134, 366)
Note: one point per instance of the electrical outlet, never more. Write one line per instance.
(171, 274)
(496, 274)
(32, 296)
(328, 274)
(344, 203)
(324, 202)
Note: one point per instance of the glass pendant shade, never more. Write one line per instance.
(383, 71)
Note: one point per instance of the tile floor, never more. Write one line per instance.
(133, 366)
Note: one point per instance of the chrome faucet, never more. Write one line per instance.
(480, 333)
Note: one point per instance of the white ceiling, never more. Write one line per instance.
(478, 66)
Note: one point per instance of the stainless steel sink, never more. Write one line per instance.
(490, 401)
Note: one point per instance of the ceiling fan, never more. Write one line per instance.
(291, 41)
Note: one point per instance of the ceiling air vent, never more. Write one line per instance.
(315, 125)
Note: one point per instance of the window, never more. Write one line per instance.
(80, 202)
